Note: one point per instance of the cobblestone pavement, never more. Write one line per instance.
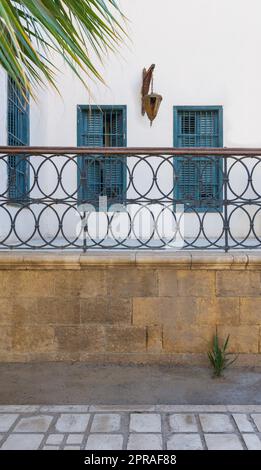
(173, 427)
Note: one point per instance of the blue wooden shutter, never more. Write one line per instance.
(102, 175)
(91, 135)
(199, 179)
(114, 166)
(18, 135)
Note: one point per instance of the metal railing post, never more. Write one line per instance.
(225, 203)
(84, 233)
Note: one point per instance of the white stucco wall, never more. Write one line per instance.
(207, 52)
(3, 108)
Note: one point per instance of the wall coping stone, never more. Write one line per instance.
(152, 259)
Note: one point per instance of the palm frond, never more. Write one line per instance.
(30, 30)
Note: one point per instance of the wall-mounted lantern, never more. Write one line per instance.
(150, 101)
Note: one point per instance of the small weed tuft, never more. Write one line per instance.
(219, 357)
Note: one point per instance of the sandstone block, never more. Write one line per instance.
(84, 283)
(76, 339)
(154, 339)
(21, 283)
(6, 311)
(168, 283)
(132, 282)
(188, 339)
(5, 338)
(242, 338)
(126, 339)
(32, 339)
(250, 311)
(218, 311)
(109, 310)
(92, 339)
(198, 284)
(238, 283)
(164, 311)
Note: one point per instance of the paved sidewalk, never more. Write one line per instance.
(173, 427)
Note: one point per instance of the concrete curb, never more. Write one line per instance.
(130, 408)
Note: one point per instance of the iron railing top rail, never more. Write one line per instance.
(189, 151)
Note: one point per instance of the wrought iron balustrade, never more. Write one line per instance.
(130, 198)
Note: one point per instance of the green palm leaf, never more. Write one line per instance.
(32, 30)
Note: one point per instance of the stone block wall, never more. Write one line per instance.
(132, 307)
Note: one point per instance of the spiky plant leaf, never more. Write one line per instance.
(219, 357)
(31, 30)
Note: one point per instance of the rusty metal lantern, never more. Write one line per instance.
(152, 104)
(150, 101)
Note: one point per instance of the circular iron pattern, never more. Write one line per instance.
(134, 201)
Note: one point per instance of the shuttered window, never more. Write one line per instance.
(101, 175)
(18, 135)
(199, 179)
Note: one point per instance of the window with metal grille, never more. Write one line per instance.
(199, 179)
(18, 135)
(100, 175)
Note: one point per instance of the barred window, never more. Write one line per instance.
(199, 179)
(18, 135)
(102, 175)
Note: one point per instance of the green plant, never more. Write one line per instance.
(32, 31)
(219, 357)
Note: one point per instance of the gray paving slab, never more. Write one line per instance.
(137, 428)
